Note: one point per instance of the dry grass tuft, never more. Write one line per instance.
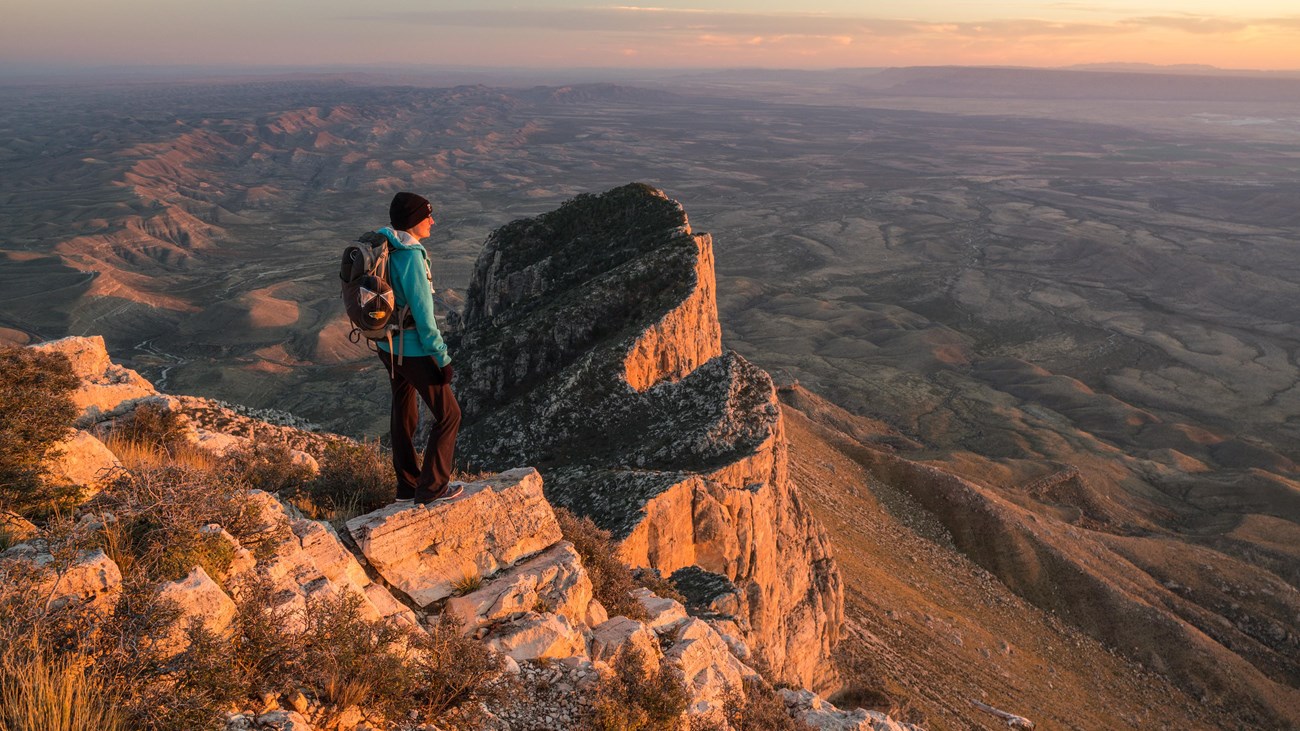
(137, 455)
(466, 584)
(41, 692)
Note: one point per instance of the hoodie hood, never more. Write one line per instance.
(401, 239)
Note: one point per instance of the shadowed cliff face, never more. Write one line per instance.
(590, 348)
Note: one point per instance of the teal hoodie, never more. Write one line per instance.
(408, 267)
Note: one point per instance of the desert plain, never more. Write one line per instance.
(1077, 291)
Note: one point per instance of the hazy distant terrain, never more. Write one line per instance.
(1087, 302)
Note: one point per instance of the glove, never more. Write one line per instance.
(446, 373)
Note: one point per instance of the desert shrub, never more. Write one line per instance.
(759, 708)
(611, 579)
(636, 697)
(655, 582)
(267, 651)
(454, 673)
(351, 660)
(150, 692)
(36, 412)
(157, 517)
(354, 478)
(154, 425)
(268, 467)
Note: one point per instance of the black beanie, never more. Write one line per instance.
(408, 209)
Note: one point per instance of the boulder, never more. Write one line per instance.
(707, 665)
(92, 578)
(534, 636)
(219, 443)
(425, 550)
(84, 462)
(612, 636)
(201, 600)
(665, 614)
(552, 581)
(300, 458)
(107, 389)
(306, 558)
(806, 706)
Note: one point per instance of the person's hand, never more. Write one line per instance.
(446, 373)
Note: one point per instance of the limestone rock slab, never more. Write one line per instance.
(84, 462)
(612, 636)
(707, 665)
(199, 599)
(534, 636)
(307, 558)
(665, 614)
(107, 389)
(424, 550)
(554, 579)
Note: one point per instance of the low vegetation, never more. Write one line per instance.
(107, 665)
(639, 695)
(611, 580)
(269, 466)
(354, 478)
(759, 708)
(36, 413)
(153, 425)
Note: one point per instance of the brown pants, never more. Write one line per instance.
(419, 377)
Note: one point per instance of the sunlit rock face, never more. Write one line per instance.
(590, 348)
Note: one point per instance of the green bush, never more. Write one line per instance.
(350, 660)
(636, 698)
(153, 425)
(36, 412)
(458, 675)
(158, 514)
(268, 652)
(611, 580)
(354, 478)
(268, 467)
(759, 708)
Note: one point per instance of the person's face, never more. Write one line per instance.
(422, 229)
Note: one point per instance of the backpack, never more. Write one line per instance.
(368, 292)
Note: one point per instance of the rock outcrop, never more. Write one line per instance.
(427, 552)
(107, 389)
(82, 462)
(590, 348)
(753, 564)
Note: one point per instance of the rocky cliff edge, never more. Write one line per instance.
(590, 348)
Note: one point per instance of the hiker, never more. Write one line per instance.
(421, 368)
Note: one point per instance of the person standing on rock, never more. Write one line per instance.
(422, 369)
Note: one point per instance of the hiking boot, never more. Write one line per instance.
(446, 494)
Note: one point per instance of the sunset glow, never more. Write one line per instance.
(1261, 34)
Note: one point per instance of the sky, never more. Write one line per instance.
(1253, 34)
